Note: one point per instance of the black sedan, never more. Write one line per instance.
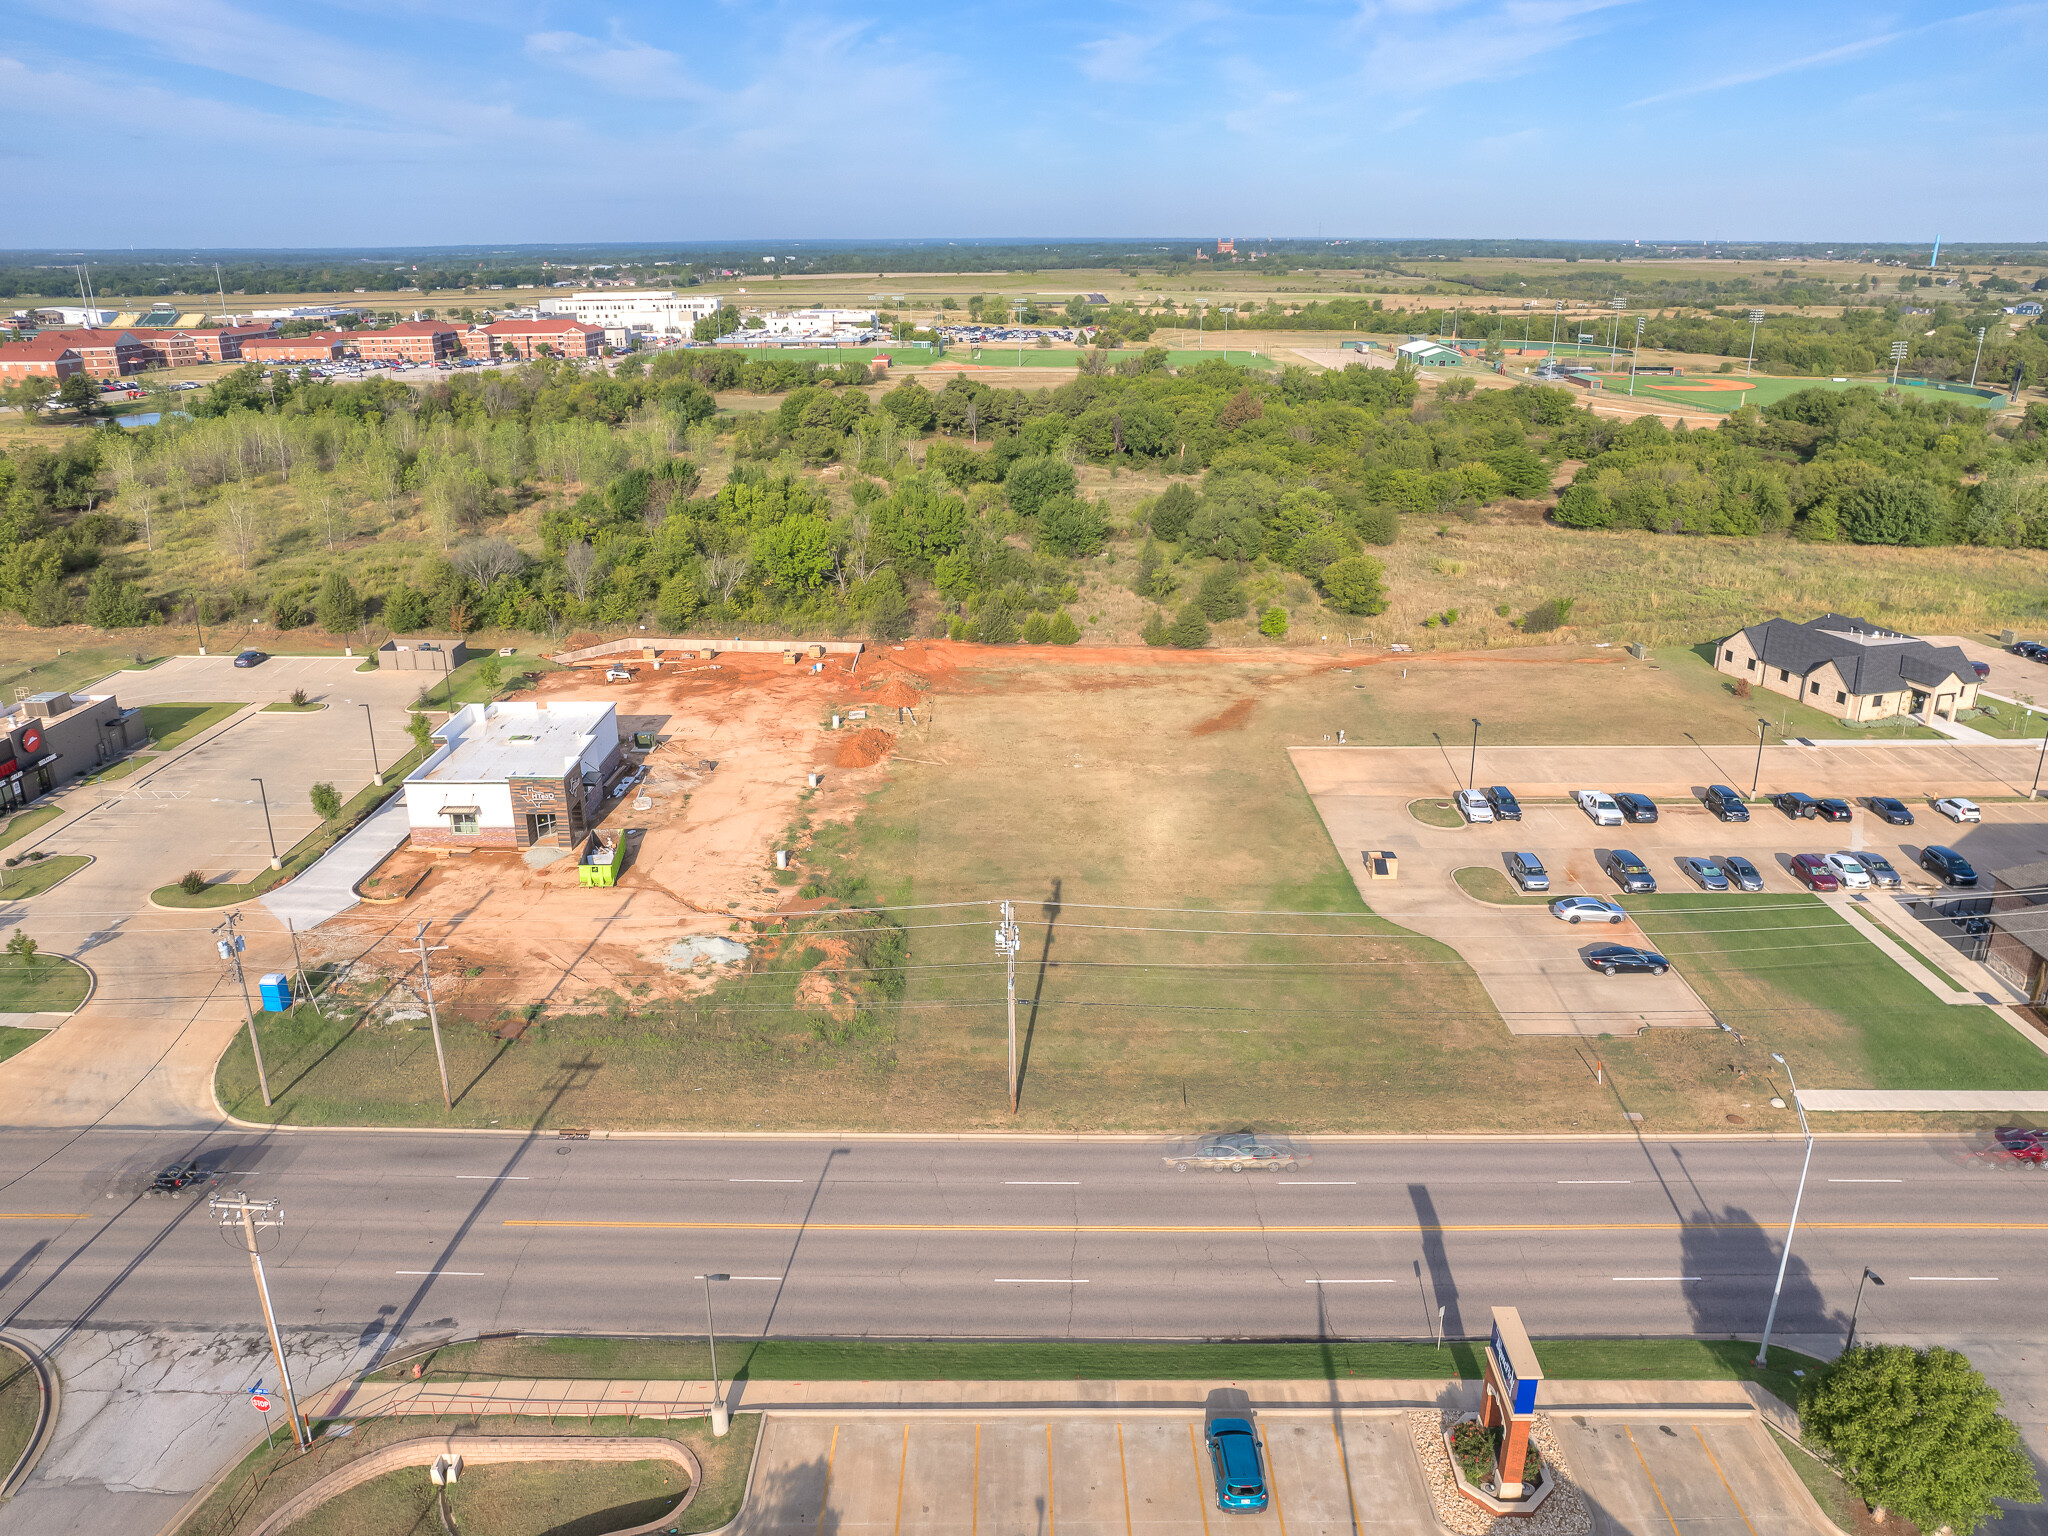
(1704, 873)
(1833, 810)
(1893, 811)
(1948, 866)
(176, 1178)
(1796, 804)
(1743, 873)
(252, 658)
(1610, 959)
(1635, 807)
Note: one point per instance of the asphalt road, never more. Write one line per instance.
(412, 1235)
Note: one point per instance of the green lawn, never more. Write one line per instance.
(1830, 1490)
(27, 821)
(2009, 722)
(13, 1041)
(1491, 885)
(547, 1498)
(32, 879)
(69, 669)
(286, 707)
(169, 725)
(1789, 971)
(48, 984)
(21, 1400)
(1436, 813)
(122, 769)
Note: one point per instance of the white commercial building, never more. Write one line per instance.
(514, 775)
(659, 311)
(816, 322)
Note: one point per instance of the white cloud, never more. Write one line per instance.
(632, 69)
(1122, 56)
(1414, 47)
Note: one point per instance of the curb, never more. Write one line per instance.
(52, 1395)
(90, 860)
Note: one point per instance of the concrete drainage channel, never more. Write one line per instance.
(16, 1357)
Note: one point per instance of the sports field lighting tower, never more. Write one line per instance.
(1899, 349)
(1618, 303)
(1633, 356)
(1979, 358)
(1763, 1348)
(1756, 318)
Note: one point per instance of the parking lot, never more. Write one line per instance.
(1330, 1474)
(1533, 965)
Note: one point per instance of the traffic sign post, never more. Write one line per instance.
(261, 1403)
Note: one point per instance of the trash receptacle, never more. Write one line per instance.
(276, 988)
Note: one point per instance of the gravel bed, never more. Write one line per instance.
(1562, 1514)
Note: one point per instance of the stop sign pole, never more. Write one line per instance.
(262, 1405)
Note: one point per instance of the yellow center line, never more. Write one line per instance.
(1124, 1468)
(42, 1215)
(827, 1494)
(1653, 1481)
(1411, 1228)
(1201, 1498)
(1724, 1480)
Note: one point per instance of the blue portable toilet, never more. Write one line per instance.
(276, 988)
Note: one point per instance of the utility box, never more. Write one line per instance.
(601, 865)
(2007, 636)
(1640, 651)
(1381, 864)
(276, 990)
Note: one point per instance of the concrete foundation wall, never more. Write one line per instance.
(634, 646)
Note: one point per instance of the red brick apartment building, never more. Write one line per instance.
(215, 344)
(522, 338)
(414, 341)
(108, 354)
(46, 357)
(320, 347)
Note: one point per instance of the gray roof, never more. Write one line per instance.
(2029, 878)
(1870, 658)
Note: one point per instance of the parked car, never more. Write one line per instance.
(1879, 868)
(1982, 669)
(1725, 803)
(2031, 649)
(1635, 807)
(1629, 872)
(1704, 873)
(1957, 809)
(1527, 871)
(1893, 811)
(1505, 806)
(252, 658)
(1613, 958)
(1472, 805)
(1947, 866)
(1812, 871)
(1240, 1470)
(1588, 909)
(1797, 805)
(1237, 1151)
(1834, 810)
(1600, 807)
(1743, 873)
(1848, 868)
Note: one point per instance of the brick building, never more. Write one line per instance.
(183, 346)
(108, 354)
(513, 775)
(1850, 668)
(320, 347)
(50, 357)
(415, 341)
(48, 738)
(523, 338)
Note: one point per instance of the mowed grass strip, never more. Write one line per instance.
(14, 1041)
(32, 879)
(539, 1498)
(171, 725)
(41, 984)
(1791, 970)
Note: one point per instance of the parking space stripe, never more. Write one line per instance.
(1124, 1469)
(974, 1489)
(1724, 1480)
(1273, 1480)
(1052, 1526)
(1344, 1466)
(1653, 1481)
(825, 1497)
(1201, 1499)
(902, 1469)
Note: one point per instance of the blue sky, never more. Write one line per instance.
(220, 122)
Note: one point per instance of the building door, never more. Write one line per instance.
(540, 827)
(1919, 703)
(45, 780)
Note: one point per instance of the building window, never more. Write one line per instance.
(1841, 698)
(462, 822)
(1727, 655)
(1813, 688)
(1751, 664)
(1784, 676)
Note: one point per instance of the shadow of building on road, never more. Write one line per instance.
(1736, 1260)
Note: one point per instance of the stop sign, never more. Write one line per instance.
(259, 1402)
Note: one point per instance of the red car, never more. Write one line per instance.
(2013, 1147)
(1811, 870)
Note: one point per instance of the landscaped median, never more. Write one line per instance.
(302, 856)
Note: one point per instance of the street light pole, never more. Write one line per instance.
(238, 1210)
(370, 721)
(1868, 1274)
(1762, 725)
(721, 1421)
(275, 861)
(1472, 773)
(1763, 1349)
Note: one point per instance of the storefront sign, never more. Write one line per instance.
(31, 741)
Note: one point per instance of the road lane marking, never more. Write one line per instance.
(1347, 1282)
(1014, 1280)
(766, 1181)
(1046, 1183)
(474, 1274)
(1724, 1480)
(1992, 1278)
(1866, 1181)
(1653, 1277)
(747, 1277)
(42, 1215)
(1596, 1181)
(1653, 1481)
(1335, 1229)
(1201, 1497)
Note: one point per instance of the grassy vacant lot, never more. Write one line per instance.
(33, 879)
(172, 724)
(46, 984)
(550, 1502)
(46, 660)
(568, 1359)
(1788, 970)
(543, 1498)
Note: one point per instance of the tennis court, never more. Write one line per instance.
(1723, 393)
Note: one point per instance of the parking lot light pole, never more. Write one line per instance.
(370, 721)
(1472, 773)
(1868, 1274)
(721, 1421)
(1763, 1348)
(275, 861)
(2035, 789)
(1758, 777)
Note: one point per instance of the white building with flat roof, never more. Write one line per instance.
(660, 311)
(515, 774)
(815, 322)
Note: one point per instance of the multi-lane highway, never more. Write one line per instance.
(413, 1233)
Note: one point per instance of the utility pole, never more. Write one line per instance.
(239, 1211)
(1763, 1349)
(231, 948)
(1007, 944)
(433, 1018)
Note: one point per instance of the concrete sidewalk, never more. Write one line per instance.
(328, 887)
(1992, 1101)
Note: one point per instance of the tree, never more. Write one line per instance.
(1068, 525)
(1547, 615)
(491, 672)
(1170, 513)
(81, 392)
(1920, 1432)
(326, 801)
(1034, 481)
(421, 730)
(338, 607)
(1154, 632)
(23, 948)
(1034, 629)
(1273, 623)
(1061, 629)
(1189, 631)
(111, 603)
(484, 561)
(32, 394)
(583, 566)
(1221, 595)
(1893, 510)
(1356, 584)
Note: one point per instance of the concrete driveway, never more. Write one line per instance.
(164, 1006)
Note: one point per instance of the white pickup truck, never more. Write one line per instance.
(1599, 805)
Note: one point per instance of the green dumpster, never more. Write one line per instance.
(600, 866)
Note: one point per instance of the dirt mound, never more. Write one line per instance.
(582, 641)
(864, 748)
(1230, 719)
(895, 693)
